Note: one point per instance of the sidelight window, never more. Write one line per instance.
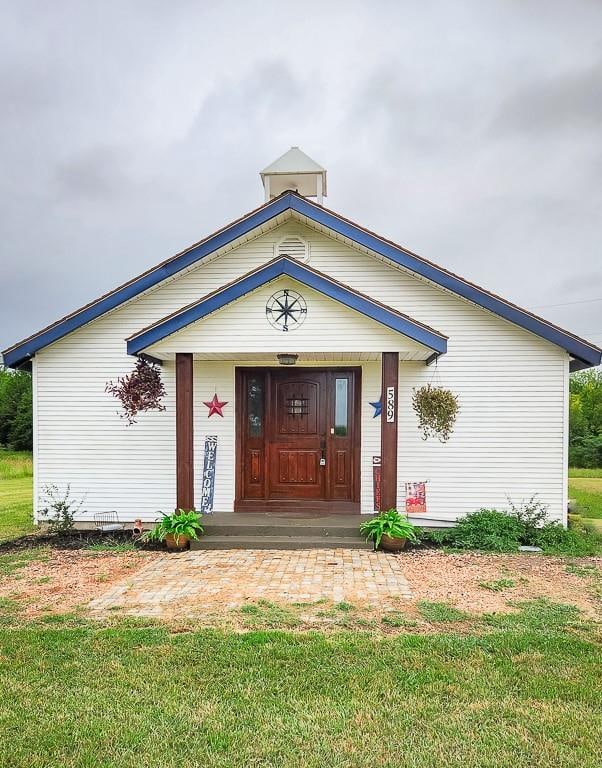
(341, 417)
(255, 405)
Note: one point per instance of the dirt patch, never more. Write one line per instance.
(59, 581)
(51, 580)
(459, 579)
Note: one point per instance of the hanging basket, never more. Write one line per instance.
(436, 409)
(139, 391)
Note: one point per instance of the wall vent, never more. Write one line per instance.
(294, 247)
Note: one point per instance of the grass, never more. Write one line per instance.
(587, 492)
(15, 465)
(498, 585)
(578, 472)
(440, 612)
(12, 562)
(112, 546)
(524, 693)
(15, 508)
(16, 494)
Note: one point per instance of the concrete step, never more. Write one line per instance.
(250, 524)
(276, 529)
(214, 541)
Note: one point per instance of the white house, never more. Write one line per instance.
(358, 316)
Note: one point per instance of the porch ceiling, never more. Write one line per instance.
(270, 358)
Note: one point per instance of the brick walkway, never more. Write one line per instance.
(226, 579)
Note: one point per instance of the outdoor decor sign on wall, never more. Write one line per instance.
(208, 486)
(390, 405)
(415, 498)
(376, 474)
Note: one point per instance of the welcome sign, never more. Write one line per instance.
(208, 486)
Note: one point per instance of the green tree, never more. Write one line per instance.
(585, 418)
(16, 427)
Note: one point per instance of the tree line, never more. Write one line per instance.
(585, 419)
(16, 416)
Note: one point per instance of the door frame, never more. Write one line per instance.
(265, 504)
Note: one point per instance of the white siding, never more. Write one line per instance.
(510, 436)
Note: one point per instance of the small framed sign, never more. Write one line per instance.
(415, 498)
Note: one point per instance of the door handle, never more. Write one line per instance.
(323, 452)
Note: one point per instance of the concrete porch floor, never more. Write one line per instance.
(206, 580)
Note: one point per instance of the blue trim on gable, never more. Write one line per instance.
(279, 268)
(28, 348)
(589, 355)
(575, 347)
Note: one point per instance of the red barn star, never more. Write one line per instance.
(215, 406)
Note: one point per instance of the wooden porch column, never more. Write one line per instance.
(388, 429)
(184, 432)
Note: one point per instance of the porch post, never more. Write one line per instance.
(388, 429)
(184, 432)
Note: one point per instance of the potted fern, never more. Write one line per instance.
(389, 531)
(177, 529)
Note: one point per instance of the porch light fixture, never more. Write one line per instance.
(287, 359)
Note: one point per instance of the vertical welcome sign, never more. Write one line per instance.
(208, 485)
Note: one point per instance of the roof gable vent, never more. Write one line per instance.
(294, 247)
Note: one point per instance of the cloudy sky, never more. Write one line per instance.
(468, 131)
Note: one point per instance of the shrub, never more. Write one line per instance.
(554, 539)
(59, 510)
(531, 516)
(489, 530)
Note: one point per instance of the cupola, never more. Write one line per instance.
(294, 170)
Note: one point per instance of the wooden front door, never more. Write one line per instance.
(298, 439)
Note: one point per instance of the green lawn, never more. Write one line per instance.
(15, 494)
(521, 691)
(585, 486)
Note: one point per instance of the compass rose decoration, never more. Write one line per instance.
(286, 310)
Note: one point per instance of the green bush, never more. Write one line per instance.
(554, 539)
(586, 451)
(489, 530)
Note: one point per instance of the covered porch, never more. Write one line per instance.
(307, 370)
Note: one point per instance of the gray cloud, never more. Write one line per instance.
(466, 131)
(564, 102)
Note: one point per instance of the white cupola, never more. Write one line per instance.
(294, 170)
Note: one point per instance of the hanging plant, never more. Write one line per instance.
(141, 390)
(437, 409)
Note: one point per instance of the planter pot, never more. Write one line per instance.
(389, 544)
(181, 544)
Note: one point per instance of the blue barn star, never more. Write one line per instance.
(378, 408)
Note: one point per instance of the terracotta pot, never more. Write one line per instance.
(181, 544)
(390, 544)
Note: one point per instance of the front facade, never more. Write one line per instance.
(362, 320)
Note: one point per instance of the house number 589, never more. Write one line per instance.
(390, 405)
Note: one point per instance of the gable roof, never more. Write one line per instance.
(585, 353)
(310, 277)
